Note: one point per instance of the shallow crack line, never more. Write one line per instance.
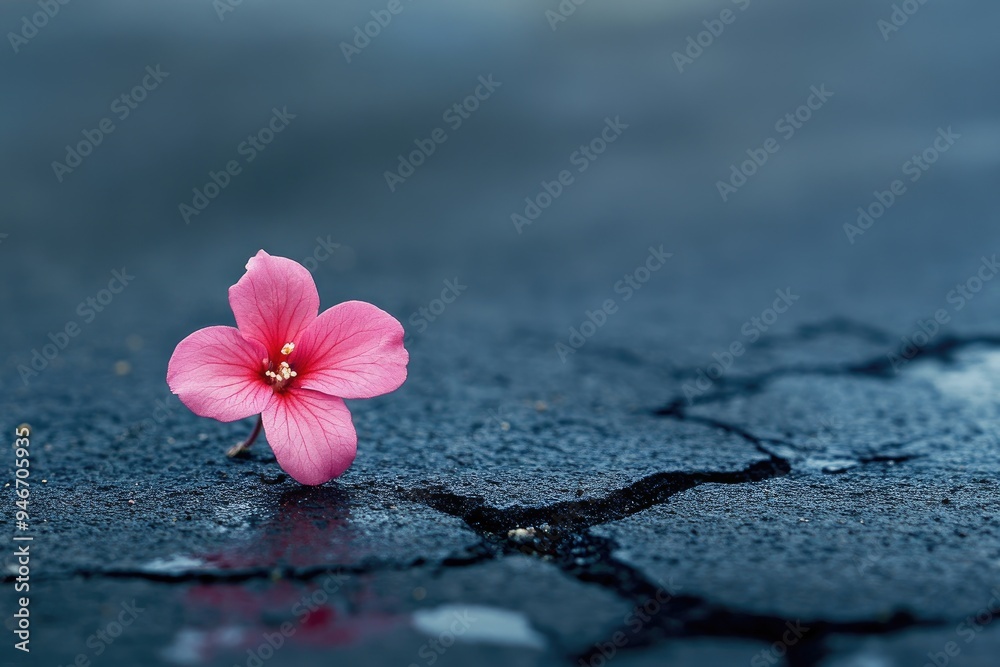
(687, 616)
(835, 325)
(680, 414)
(638, 496)
(234, 575)
(879, 367)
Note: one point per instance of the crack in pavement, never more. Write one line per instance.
(680, 414)
(687, 616)
(835, 325)
(235, 575)
(880, 367)
(642, 494)
(560, 534)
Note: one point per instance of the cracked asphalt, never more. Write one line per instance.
(780, 446)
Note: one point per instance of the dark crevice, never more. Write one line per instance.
(888, 458)
(882, 367)
(576, 514)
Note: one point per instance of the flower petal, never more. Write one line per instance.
(311, 434)
(353, 350)
(274, 300)
(216, 373)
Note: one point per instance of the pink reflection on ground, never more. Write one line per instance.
(252, 619)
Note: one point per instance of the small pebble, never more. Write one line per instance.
(277, 478)
(521, 534)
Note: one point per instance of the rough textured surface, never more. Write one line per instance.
(816, 503)
(934, 542)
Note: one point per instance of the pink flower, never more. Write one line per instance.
(292, 366)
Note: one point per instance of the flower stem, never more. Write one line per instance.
(236, 450)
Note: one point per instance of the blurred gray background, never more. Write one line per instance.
(324, 175)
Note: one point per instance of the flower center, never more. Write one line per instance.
(280, 376)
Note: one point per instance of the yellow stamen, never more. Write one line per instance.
(287, 349)
(281, 376)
